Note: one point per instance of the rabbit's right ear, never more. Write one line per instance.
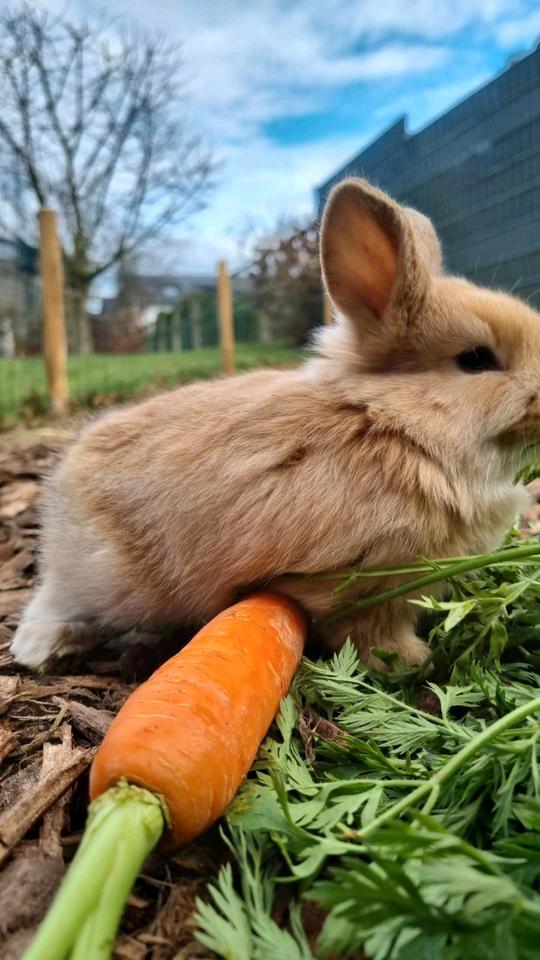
(427, 241)
(370, 259)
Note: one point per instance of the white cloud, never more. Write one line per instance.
(233, 106)
(267, 182)
(277, 60)
(271, 59)
(523, 30)
(431, 101)
(429, 19)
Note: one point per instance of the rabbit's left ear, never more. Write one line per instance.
(372, 263)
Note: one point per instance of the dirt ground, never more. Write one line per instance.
(49, 729)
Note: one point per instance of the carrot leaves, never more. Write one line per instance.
(405, 806)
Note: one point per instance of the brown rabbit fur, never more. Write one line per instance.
(385, 446)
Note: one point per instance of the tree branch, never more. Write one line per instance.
(98, 132)
(42, 70)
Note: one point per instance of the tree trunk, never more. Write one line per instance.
(80, 330)
(80, 336)
(265, 326)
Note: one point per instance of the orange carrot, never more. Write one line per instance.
(171, 761)
(191, 732)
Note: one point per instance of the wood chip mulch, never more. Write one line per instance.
(50, 727)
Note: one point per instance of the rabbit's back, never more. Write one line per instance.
(193, 495)
(215, 486)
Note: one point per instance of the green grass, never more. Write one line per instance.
(100, 378)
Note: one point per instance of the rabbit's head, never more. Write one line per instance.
(446, 361)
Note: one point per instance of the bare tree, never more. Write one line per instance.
(92, 123)
(287, 279)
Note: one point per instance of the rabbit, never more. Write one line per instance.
(400, 437)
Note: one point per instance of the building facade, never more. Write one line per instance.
(475, 171)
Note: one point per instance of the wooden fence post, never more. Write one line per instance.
(225, 317)
(52, 297)
(327, 309)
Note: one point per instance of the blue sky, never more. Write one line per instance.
(287, 91)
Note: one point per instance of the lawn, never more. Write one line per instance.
(101, 378)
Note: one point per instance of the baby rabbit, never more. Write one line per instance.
(401, 438)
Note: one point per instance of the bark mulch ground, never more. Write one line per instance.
(49, 729)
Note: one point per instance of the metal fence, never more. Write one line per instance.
(192, 324)
(132, 354)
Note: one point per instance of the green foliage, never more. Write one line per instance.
(416, 829)
(99, 379)
(238, 924)
(286, 277)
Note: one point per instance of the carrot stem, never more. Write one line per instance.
(525, 553)
(124, 825)
(446, 572)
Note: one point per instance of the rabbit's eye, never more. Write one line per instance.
(478, 360)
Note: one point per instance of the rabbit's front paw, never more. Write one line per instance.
(410, 650)
(403, 644)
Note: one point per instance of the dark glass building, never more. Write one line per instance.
(475, 171)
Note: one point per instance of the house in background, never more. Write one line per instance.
(125, 320)
(156, 294)
(475, 171)
(151, 295)
(19, 298)
(129, 321)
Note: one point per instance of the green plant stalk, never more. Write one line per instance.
(433, 785)
(436, 576)
(423, 563)
(124, 825)
(97, 937)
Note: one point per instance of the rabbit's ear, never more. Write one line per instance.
(369, 255)
(427, 241)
